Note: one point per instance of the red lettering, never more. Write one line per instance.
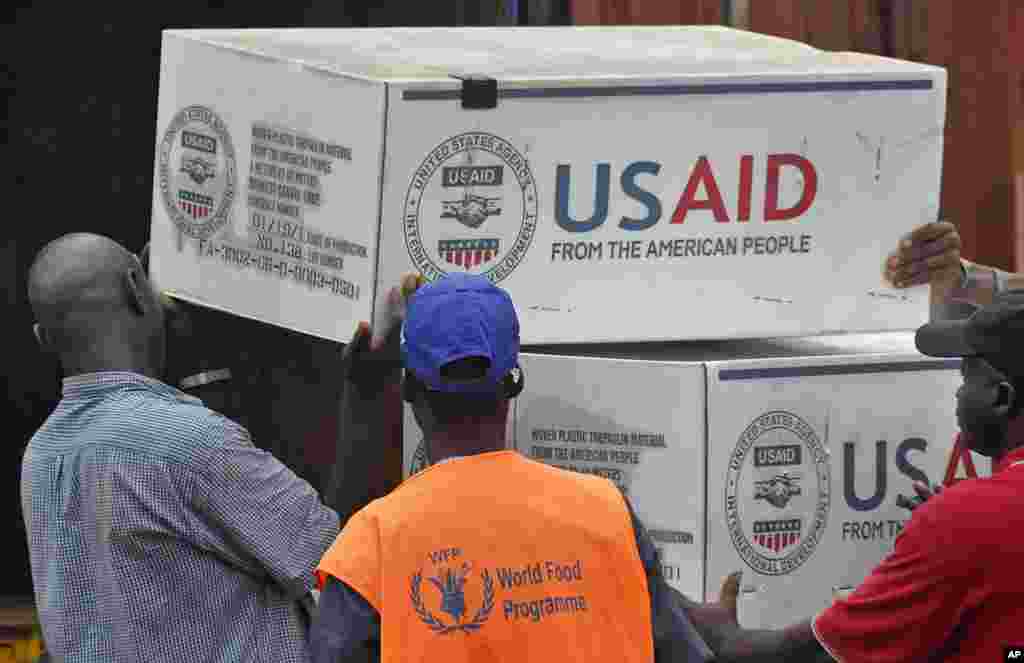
(771, 198)
(701, 174)
(746, 187)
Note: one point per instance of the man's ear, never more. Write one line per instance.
(1005, 400)
(135, 287)
(42, 338)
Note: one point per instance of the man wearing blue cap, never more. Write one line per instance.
(487, 555)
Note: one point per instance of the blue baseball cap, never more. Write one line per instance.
(455, 317)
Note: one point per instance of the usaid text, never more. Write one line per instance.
(877, 471)
(702, 192)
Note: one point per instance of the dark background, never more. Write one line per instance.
(80, 86)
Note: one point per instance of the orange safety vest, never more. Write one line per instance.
(495, 557)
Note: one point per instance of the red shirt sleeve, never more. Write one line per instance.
(911, 603)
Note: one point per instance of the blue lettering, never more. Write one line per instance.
(549, 605)
(850, 472)
(530, 575)
(444, 555)
(903, 463)
(642, 196)
(563, 186)
(507, 578)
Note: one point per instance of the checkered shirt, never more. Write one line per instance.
(159, 534)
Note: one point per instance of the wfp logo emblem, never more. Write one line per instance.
(450, 584)
(197, 172)
(471, 207)
(777, 493)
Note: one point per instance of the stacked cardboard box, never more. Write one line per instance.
(785, 459)
(617, 181)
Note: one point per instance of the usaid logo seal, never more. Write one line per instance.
(197, 172)
(777, 493)
(471, 207)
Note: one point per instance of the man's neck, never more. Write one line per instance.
(82, 366)
(1014, 438)
(467, 439)
(446, 451)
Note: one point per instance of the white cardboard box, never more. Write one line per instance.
(571, 415)
(872, 398)
(756, 179)
(807, 458)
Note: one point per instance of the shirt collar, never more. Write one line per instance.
(486, 453)
(91, 385)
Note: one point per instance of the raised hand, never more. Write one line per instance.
(929, 253)
(390, 312)
(716, 622)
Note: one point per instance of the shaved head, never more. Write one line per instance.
(77, 272)
(95, 305)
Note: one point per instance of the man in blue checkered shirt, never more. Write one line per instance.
(157, 531)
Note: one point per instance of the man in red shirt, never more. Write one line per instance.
(952, 589)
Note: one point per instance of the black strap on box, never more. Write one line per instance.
(478, 92)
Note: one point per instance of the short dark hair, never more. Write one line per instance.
(448, 407)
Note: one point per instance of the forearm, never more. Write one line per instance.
(977, 288)
(370, 424)
(794, 644)
(734, 644)
(368, 427)
(343, 627)
(676, 639)
(983, 281)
